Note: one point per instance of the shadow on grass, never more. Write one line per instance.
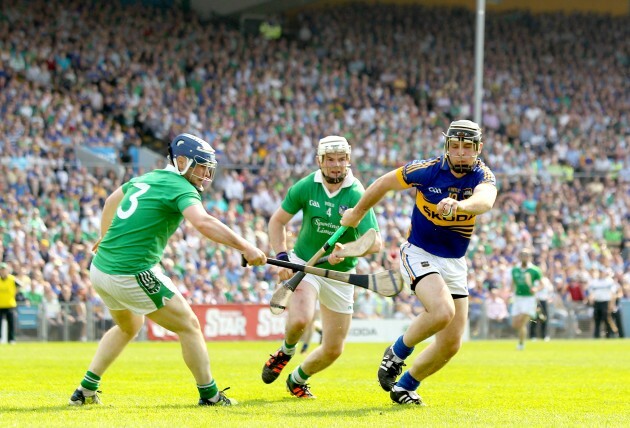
(244, 405)
(357, 412)
(55, 409)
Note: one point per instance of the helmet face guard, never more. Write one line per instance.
(210, 165)
(464, 131)
(333, 145)
(198, 153)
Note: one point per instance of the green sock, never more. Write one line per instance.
(288, 349)
(299, 376)
(208, 391)
(90, 381)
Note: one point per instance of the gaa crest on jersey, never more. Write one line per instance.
(467, 193)
(342, 209)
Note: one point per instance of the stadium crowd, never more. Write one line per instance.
(555, 119)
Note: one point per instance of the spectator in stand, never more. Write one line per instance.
(53, 314)
(576, 298)
(476, 299)
(497, 313)
(8, 291)
(366, 306)
(544, 296)
(602, 293)
(616, 315)
(74, 314)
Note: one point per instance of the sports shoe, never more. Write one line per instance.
(389, 370)
(299, 390)
(223, 400)
(274, 365)
(405, 397)
(78, 399)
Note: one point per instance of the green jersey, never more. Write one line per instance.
(322, 213)
(149, 213)
(523, 284)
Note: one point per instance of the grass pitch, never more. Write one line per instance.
(557, 383)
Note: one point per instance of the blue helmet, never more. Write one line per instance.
(198, 152)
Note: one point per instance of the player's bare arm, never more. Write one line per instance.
(333, 259)
(278, 237)
(377, 246)
(215, 230)
(109, 210)
(373, 194)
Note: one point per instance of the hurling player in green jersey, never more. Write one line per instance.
(138, 219)
(322, 196)
(526, 281)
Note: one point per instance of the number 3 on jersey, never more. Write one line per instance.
(124, 214)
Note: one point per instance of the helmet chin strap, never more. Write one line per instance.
(332, 180)
(335, 180)
(460, 169)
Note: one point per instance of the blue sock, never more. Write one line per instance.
(401, 350)
(408, 382)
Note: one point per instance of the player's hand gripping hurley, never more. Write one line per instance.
(281, 296)
(357, 248)
(387, 283)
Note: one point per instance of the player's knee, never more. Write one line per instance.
(192, 324)
(331, 353)
(517, 321)
(301, 322)
(443, 315)
(451, 347)
(130, 330)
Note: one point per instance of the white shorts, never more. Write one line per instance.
(524, 305)
(141, 293)
(416, 263)
(335, 295)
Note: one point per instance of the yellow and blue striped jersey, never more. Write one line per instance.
(434, 181)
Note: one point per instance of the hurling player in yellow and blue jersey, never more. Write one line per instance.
(451, 190)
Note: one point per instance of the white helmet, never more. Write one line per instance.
(333, 144)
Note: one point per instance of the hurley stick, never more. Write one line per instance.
(281, 296)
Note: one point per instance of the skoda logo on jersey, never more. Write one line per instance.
(342, 209)
(435, 190)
